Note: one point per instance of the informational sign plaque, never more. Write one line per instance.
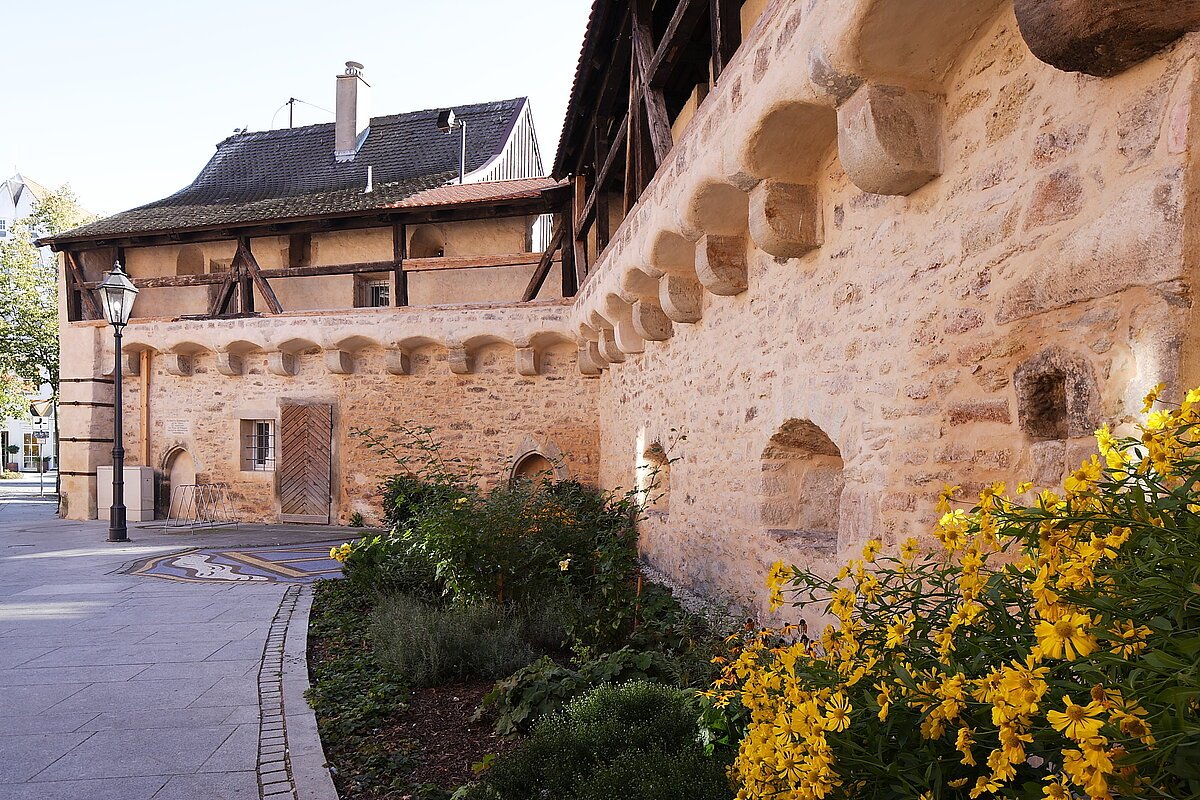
(179, 427)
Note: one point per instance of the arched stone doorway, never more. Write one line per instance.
(533, 467)
(802, 481)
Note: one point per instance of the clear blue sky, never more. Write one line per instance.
(126, 99)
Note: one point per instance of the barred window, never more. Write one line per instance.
(258, 445)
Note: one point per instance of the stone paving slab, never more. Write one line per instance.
(115, 685)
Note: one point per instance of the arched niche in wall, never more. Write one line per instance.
(536, 460)
(803, 475)
(427, 241)
(177, 468)
(190, 260)
(1057, 405)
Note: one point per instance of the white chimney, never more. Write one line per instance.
(353, 117)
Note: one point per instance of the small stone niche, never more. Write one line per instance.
(1057, 396)
(802, 481)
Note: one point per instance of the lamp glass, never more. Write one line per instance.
(117, 293)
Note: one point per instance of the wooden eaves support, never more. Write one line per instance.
(642, 69)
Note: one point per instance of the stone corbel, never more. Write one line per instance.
(721, 264)
(338, 361)
(888, 139)
(396, 361)
(229, 363)
(458, 358)
(281, 363)
(650, 322)
(608, 348)
(1102, 37)
(526, 358)
(589, 359)
(177, 364)
(680, 297)
(785, 218)
(132, 364)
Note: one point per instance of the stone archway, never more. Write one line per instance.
(178, 469)
(803, 475)
(538, 460)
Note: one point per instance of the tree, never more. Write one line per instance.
(29, 301)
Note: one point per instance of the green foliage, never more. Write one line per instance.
(9, 476)
(354, 693)
(388, 565)
(29, 301)
(356, 520)
(433, 645)
(636, 741)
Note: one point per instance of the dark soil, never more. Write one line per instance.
(448, 743)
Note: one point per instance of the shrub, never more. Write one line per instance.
(636, 741)
(1048, 649)
(5, 475)
(389, 565)
(433, 645)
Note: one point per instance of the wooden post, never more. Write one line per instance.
(570, 276)
(601, 202)
(250, 267)
(144, 375)
(657, 122)
(399, 254)
(580, 230)
(725, 16)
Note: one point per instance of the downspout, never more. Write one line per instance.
(145, 397)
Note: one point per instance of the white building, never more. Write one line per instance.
(34, 436)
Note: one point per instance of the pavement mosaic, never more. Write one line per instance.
(296, 564)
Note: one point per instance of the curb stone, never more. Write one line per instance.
(308, 765)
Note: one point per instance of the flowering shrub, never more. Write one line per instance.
(1048, 648)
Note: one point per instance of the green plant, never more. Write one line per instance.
(435, 644)
(356, 520)
(9, 476)
(636, 741)
(388, 564)
(353, 693)
(1050, 647)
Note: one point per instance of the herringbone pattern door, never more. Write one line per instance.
(305, 441)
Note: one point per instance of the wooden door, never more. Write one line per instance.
(304, 472)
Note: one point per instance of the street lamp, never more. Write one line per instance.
(117, 294)
(447, 122)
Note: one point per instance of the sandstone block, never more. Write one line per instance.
(650, 321)
(1102, 37)
(281, 363)
(1057, 197)
(229, 363)
(396, 361)
(680, 297)
(526, 358)
(968, 411)
(721, 264)
(785, 218)
(339, 362)
(888, 139)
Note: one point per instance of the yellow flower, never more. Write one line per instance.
(1152, 397)
(837, 713)
(1085, 478)
(963, 745)
(884, 698)
(910, 548)
(779, 575)
(1077, 722)
(1056, 788)
(870, 550)
(565, 564)
(946, 496)
(1024, 486)
(1066, 637)
(900, 627)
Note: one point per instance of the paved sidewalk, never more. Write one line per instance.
(123, 686)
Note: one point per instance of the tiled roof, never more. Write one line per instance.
(489, 191)
(291, 172)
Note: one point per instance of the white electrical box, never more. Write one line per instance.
(139, 493)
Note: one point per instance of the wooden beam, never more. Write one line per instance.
(633, 143)
(399, 254)
(613, 84)
(545, 263)
(250, 265)
(470, 262)
(222, 297)
(580, 247)
(657, 121)
(602, 176)
(726, 31)
(75, 282)
(599, 199)
(677, 36)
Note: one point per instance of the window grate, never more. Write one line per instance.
(259, 447)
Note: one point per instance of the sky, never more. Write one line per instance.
(125, 100)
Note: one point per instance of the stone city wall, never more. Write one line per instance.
(494, 381)
(1017, 272)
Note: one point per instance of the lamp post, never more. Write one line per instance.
(447, 122)
(117, 294)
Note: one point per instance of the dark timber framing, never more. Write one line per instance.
(642, 61)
